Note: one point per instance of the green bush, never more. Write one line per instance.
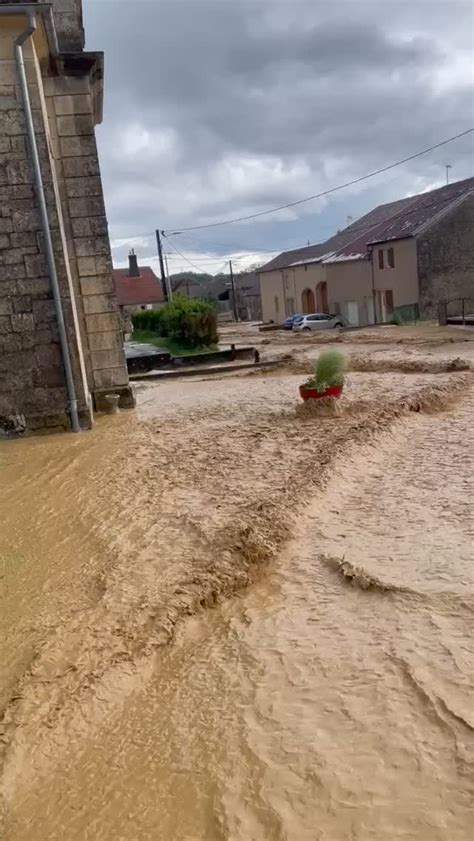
(329, 370)
(191, 322)
(397, 318)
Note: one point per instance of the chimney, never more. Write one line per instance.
(133, 270)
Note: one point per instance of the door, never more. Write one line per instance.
(307, 301)
(384, 305)
(353, 313)
(322, 297)
(389, 302)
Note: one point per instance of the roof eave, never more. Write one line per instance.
(390, 239)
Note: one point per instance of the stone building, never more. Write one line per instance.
(60, 329)
(410, 255)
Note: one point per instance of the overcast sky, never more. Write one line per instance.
(219, 108)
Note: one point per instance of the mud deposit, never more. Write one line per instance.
(328, 701)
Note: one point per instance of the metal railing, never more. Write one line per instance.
(459, 310)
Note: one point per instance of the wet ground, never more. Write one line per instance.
(330, 699)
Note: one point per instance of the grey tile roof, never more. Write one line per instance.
(395, 220)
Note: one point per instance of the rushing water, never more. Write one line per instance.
(332, 700)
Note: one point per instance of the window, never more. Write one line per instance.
(391, 258)
(290, 305)
(380, 258)
(277, 304)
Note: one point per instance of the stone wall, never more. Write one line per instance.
(68, 21)
(32, 384)
(446, 258)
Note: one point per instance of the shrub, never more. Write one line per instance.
(329, 370)
(397, 318)
(191, 322)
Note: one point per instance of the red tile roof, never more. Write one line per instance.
(138, 291)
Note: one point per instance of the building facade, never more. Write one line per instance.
(60, 330)
(408, 256)
(248, 298)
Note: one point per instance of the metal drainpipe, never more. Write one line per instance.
(374, 297)
(38, 179)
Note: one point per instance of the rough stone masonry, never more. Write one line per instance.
(65, 90)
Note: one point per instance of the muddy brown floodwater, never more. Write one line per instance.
(332, 699)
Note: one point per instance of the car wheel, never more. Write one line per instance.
(306, 329)
(338, 324)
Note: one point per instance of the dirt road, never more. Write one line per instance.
(311, 702)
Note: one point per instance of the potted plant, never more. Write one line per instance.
(328, 377)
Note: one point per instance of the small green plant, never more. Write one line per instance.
(329, 370)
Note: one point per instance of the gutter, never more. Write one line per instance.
(31, 27)
(374, 296)
(32, 9)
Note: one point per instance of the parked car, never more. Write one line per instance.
(292, 319)
(318, 321)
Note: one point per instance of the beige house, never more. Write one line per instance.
(408, 256)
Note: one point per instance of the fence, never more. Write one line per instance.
(456, 311)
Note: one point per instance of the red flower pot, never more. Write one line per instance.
(313, 394)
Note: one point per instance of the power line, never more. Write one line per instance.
(327, 192)
(127, 240)
(130, 240)
(352, 229)
(193, 265)
(238, 257)
(244, 253)
(217, 260)
(238, 248)
(206, 243)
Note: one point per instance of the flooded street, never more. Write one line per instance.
(332, 699)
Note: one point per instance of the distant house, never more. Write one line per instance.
(188, 287)
(408, 255)
(247, 293)
(138, 287)
(199, 286)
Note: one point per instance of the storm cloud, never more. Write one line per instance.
(219, 108)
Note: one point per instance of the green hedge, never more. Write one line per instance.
(189, 321)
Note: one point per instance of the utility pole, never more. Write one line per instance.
(232, 283)
(170, 290)
(162, 265)
(448, 167)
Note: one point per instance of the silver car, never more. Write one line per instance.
(318, 321)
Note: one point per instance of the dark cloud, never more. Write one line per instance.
(216, 108)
